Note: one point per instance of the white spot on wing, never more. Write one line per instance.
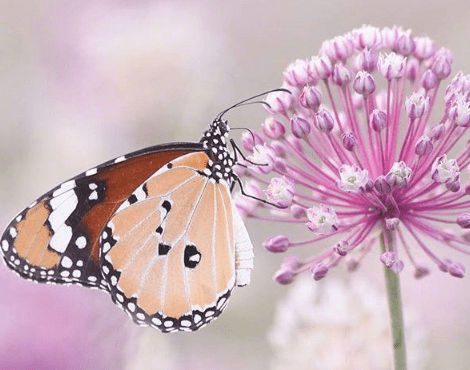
(91, 172)
(64, 187)
(13, 232)
(156, 321)
(66, 262)
(5, 245)
(61, 239)
(120, 159)
(106, 247)
(62, 211)
(80, 242)
(93, 195)
(140, 193)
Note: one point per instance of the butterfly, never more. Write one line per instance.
(157, 229)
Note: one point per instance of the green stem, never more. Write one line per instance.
(396, 316)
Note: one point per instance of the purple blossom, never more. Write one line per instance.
(366, 158)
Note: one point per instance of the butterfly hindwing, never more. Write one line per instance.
(173, 265)
(55, 239)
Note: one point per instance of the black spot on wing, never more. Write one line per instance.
(166, 205)
(163, 249)
(132, 199)
(192, 257)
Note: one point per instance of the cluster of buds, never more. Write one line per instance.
(357, 155)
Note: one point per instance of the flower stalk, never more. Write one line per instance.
(392, 282)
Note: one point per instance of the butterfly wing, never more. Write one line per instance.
(55, 239)
(169, 251)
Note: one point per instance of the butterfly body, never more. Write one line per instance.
(157, 229)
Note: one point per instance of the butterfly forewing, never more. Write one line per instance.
(55, 239)
(173, 267)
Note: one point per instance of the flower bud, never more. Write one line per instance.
(453, 186)
(442, 65)
(459, 111)
(247, 140)
(392, 65)
(416, 105)
(382, 186)
(279, 102)
(366, 37)
(279, 148)
(273, 128)
(286, 274)
(320, 67)
(342, 248)
(438, 131)
(341, 75)
(349, 141)
(339, 48)
(299, 126)
(388, 259)
(457, 269)
(424, 146)
(298, 212)
(389, 37)
(277, 244)
(398, 266)
(378, 120)
(463, 220)
(296, 73)
(405, 44)
(264, 157)
(364, 83)
(429, 80)
(324, 121)
(425, 48)
(319, 271)
(367, 60)
(279, 165)
(310, 98)
(369, 187)
(412, 69)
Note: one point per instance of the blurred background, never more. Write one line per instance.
(85, 81)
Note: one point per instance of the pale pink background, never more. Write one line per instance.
(85, 81)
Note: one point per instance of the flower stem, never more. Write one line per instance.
(396, 316)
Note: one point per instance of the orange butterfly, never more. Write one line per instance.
(157, 229)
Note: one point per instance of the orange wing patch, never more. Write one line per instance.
(33, 238)
(173, 267)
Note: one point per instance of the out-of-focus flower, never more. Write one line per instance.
(365, 155)
(336, 325)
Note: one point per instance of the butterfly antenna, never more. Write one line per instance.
(245, 102)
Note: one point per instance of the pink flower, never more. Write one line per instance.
(281, 191)
(370, 160)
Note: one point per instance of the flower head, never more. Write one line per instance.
(367, 159)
